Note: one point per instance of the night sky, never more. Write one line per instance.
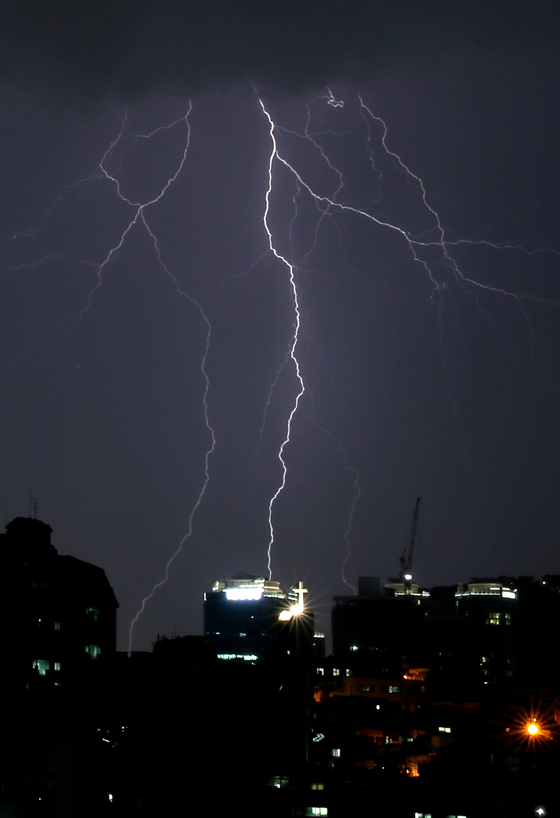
(437, 377)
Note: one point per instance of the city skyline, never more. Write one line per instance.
(419, 380)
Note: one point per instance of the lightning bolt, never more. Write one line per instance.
(431, 250)
(126, 141)
(209, 451)
(295, 337)
(140, 215)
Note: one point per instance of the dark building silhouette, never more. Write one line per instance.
(58, 636)
(429, 691)
(466, 635)
(382, 620)
(58, 612)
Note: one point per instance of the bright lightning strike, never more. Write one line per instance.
(295, 336)
(431, 249)
(329, 195)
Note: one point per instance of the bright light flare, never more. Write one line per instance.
(295, 610)
(535, 727)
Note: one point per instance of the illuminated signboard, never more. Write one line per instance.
(244, 593)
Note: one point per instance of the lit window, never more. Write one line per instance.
(57, 626)
(444, 729)
(335, 671)
(335, 752)
(320, 671)
(57, 665)
(279, 782)
(348, 672)
(394, 689)
(42, 665)
(93, 650)
(94, 613)
(317, 785)
(365, 688)
(319, 811)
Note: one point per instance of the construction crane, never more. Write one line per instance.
(406, 559)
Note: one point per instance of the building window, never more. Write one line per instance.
(365, 688)
(320, 671)
(348, 671)
(317, 785)
(94, 613)
(318, 811)
(57, 626)
(335, 752)
(57, 665)
(42, 665)
(93, 650)
(498, 619)
(279, 782)
(394, 689)
(336, 671)
(444, 729)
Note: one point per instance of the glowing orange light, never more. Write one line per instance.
(533, 728)
(536, 728)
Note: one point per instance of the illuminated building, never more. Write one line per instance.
(251, 618)
(487, 612)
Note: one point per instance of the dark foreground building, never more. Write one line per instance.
(58, 612)
(58, 635)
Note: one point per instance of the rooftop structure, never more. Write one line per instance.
(248, 617)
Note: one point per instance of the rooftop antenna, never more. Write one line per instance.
(33, 503)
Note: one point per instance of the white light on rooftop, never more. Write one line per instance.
(243, 594)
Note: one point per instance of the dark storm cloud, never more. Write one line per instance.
(91, 49)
